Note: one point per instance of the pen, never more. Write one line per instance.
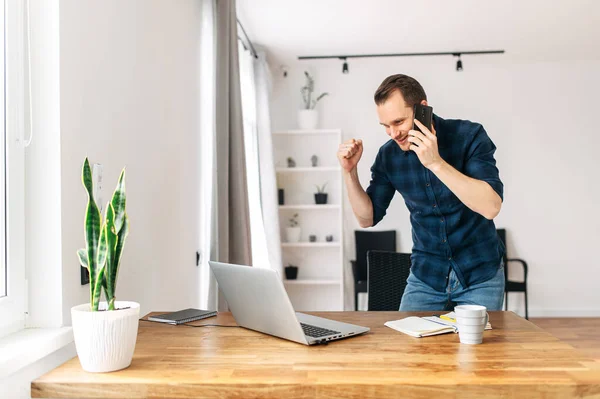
(448, 318)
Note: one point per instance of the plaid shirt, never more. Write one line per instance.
(446, 234)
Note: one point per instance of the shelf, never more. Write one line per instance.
(309, 169)
(307, 132)
(321, 282)
(311, 282)
(332, 244)
(300, 207)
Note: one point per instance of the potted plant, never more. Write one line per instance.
(321, 195)
(293, 231)
(105, 332)
(314, 160)
(308, 117)
(291, 272)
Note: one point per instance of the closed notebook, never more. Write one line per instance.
(419, 327)
(183, 316)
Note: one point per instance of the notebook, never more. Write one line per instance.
(427, 326)
(419, 327)
(183, 316)
(449, 319)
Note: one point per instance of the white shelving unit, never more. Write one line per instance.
(319, 132)
(309, 244)
(319, 285)
(308, 169)
(311, 282)
(310, 207)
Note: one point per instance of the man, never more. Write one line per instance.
(450, 184)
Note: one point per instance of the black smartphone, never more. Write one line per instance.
(424, 113)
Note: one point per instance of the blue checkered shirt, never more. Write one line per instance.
(446, 234)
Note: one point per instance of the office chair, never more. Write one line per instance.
(365, 241)
(513, 286)
(387, 274)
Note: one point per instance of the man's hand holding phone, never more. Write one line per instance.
(349, 154)
(424, 144)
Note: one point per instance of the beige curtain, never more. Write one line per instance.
(224, 216)
(233, 221)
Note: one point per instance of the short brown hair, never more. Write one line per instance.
(411, 90)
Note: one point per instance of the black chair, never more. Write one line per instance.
(513, 286)
(388, 272)
(365, 241)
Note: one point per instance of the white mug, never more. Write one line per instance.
(471, 321)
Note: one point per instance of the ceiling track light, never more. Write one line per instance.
(345, 66)
(459, 65)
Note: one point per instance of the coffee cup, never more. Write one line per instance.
(471, 321)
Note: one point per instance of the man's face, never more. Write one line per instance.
(397, 118)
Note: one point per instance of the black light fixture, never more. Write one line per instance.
(345, 66)
(459, 66)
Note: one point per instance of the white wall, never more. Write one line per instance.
(118, 82)
(129, 87)
(540, 117)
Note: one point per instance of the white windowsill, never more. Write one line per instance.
(26, 347)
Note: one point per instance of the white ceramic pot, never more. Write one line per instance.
(308, 119)
(105, 340)
(292, 234)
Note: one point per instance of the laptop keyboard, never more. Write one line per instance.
(317, 332)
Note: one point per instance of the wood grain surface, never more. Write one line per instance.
(516, 359)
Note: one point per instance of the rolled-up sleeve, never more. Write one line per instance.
(380, 190)
(481, 164)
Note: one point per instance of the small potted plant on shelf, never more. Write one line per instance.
(105, 333)
(308, 117)
(293, 231)
(314, 160)
(321, 195)
(291, 272)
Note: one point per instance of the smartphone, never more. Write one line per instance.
(424, 113)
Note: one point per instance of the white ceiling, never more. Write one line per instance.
(529, 30)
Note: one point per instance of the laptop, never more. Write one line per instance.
(258, 301)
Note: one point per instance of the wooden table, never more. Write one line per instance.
(517, 359)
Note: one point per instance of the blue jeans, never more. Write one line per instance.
(419, 296)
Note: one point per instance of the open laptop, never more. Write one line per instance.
(258, 301)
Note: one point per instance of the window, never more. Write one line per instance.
(12, 176)
(260, 256)
(3, 268)
(208, 292)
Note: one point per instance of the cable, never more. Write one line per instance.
(206, 325)
(189, 325)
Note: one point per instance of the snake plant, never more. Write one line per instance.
(104, 240)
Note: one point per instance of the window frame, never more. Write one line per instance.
(13, 306)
